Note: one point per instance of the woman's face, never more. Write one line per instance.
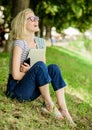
(32, 22)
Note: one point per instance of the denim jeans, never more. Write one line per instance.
(37, 76)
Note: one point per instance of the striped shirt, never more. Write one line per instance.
(40, 42)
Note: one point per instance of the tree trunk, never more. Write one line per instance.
(48, 32)
(17, 6)
(41, 27)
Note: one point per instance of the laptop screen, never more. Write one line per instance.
(36, 55)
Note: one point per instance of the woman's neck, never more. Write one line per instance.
(30, 41)
(30, 38)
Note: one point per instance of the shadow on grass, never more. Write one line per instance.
(81, 112)
(28, 115)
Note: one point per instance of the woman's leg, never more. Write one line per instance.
(36, 82)
(49, 104)
(46, 95)
(58, 85)
(42, 80)
(62, 105)
(28, 87)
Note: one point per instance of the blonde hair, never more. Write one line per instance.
(18, 30)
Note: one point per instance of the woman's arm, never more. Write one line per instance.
(18, 71)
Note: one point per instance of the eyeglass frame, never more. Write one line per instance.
(33, 18)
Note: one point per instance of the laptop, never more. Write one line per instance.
(36, 55)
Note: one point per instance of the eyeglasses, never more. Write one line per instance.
(33, 18)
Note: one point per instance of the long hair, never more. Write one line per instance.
(18, 30)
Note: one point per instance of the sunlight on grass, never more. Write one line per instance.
(83, 95)
(77, 72)
(88, 60)
(83, 91)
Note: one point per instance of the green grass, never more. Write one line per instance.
(77, 72)
(80, 44)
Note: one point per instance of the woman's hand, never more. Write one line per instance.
(24, 67)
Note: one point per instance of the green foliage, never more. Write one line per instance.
(60, 14)
(7, 9)
(77, 10)
(50, 8)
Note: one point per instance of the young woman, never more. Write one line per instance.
(28, 82)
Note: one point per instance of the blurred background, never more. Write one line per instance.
(65, 23)
(66, 26)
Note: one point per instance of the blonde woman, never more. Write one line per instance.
(26, 81)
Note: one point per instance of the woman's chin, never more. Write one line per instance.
(37, 30)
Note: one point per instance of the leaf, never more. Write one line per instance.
(77, 10)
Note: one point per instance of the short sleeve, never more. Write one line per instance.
(19, 43)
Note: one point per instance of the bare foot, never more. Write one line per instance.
(56, 113)
(66, 114)
(52, 109)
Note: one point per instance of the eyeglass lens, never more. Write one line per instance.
(33, 18)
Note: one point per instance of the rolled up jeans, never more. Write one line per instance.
(37, 76)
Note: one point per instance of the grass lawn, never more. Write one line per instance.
(77, 72)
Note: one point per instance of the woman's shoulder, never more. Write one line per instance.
(19, 43)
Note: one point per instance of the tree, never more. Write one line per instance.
(18, 5)
(60, 14)
(74, 13)
(46, 10)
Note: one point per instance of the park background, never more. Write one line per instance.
(67, 28)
